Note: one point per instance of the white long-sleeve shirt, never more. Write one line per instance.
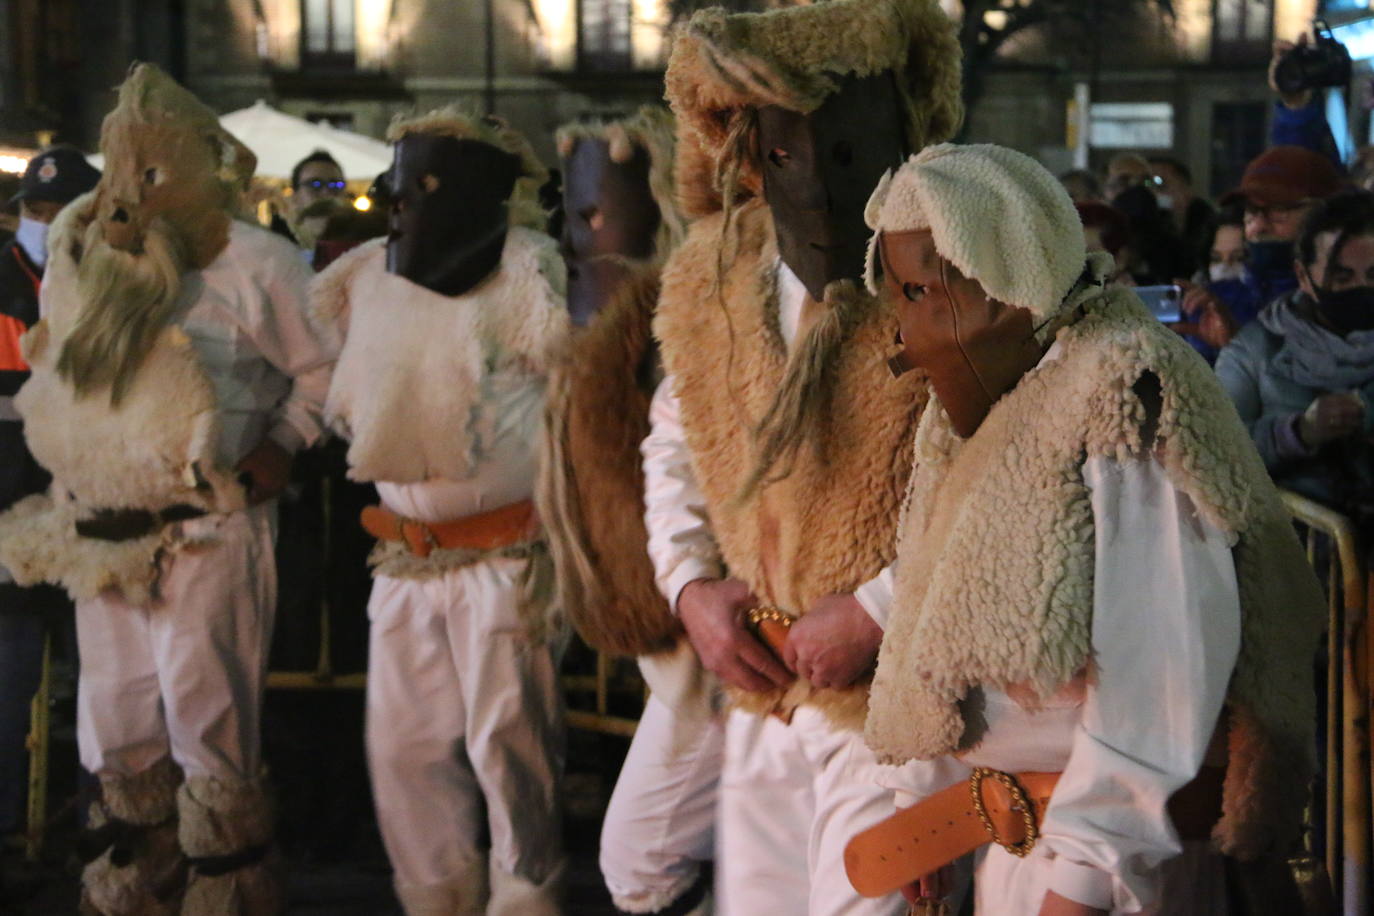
(1166, 632)
(247, 318)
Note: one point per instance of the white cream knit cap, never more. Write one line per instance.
(996, 214)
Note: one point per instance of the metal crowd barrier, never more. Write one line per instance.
(1334, 551)
(609, 678)
(37, 743)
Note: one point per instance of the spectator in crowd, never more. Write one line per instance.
(1159, 255)
(52, 179)
(1193, 217)
(1362, 168)
(1106, 228)
(1299, 117)
(315, 178)
(1082, 185)
(1224, 254)
(1302, 375)
(1126, 171)
(1276, 191)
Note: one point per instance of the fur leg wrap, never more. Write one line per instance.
(514, 895)
(134, 865)
(465, 895)
(226, 833)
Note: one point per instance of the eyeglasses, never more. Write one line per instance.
(319, 184)
(1275, 211)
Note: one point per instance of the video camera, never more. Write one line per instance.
(1325, 62)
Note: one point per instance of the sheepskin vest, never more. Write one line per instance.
(157, 448)
(829, 525)
(408, 388)
(591, 488)
(994, 581)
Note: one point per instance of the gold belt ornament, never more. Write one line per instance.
(1019, 803)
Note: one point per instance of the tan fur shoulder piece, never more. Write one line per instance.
(724, 62)
(462, 124)
(591, 485)
(829, 525)
(994, 582)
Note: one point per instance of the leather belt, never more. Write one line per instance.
(992, 807)
(130, 524)
(492, 530)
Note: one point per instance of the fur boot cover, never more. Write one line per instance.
(827, 524)
(156, 448)
(514, 895)
(142, 872)
(591, 486)
(410, 394)
(465, 895)
(226, 831)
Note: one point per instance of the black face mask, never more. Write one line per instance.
(448, 211)
(610, 217)
(1267, 260)
(819, 170)
(1348, 310)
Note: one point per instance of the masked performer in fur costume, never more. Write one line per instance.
(622, 222)
(779, 447)
(451, 325)
(174, 373)
(1099, 598)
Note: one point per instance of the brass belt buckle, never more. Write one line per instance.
(756, 616)
(1019, 802)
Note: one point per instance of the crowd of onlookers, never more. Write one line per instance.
(1275, 282)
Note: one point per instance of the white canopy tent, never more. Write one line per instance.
(280, 140)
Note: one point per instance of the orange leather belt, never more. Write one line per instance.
(492, 530)
(992, 807)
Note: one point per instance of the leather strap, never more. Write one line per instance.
(130, 524)
(492, 530)
(214, 866)
(920, 839)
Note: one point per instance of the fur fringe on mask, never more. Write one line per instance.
(829, 524)
(1000, 593)
(651, 128)
(454, 121)
(724, 62)
(591, 486)
(408, 393)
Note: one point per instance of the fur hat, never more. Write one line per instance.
(793, 57)
(996, 214)
(453, 121)
(651, 127)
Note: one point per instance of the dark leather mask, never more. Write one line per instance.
(610, 218)
(448, 211)
(974, 348)
(819, 170)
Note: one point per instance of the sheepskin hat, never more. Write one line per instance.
(996, 214)
(793, 58)
(652, 128)
(453, 121)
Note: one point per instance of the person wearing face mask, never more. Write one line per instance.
(451, 324)
(52, 179)
(1276, 190)
(765, 503)
(1192, 216)
(1225, 252)
(621, 223)
(1102, 624)
(1302, 376)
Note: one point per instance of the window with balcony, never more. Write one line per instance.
(1241, 29)
(604, 35)
(328, 34)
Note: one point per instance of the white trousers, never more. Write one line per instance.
(464, 729)
(660, 824)
(791, 796)
(185, 673)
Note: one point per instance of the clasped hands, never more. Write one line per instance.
(832, 645)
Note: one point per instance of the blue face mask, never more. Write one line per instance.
(1269, 259)
(32, 236)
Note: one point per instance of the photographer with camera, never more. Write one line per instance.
(1296, 71)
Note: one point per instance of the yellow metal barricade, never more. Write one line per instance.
(38, 742)
(610, 677)
(1334, 551)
